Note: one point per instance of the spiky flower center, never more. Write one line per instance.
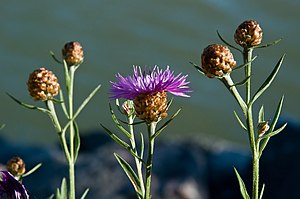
(151, 106)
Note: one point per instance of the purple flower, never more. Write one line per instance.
(147, 82)
(10, 188)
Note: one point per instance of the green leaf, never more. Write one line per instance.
(244, 64)
(261, 114)
(272, 126)
(76, 140)
(36, 167)
(84, 193)
(142, 146)
(113, 116)
(268, 81)
(268, 45)
(158, 132)
(86, 101)
(63, 105)
(62, 192)
(55, 59)
(240, 121)
(2, 126)
(262, 191)
(268, 135)
(228, 44)
(198, 68)
(130, 173)
(241, 82)
(242, 185)
(28, 105)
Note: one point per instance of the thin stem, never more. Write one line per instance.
(138, 162)
(151, 131)
(72, 133)
(247, 55)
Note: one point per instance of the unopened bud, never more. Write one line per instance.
(73, 53)
(16, 166)
(248, 34)
(262, 128)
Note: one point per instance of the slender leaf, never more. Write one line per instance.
(198, 68)
(142, 146)
(63, 105)
(76, 140)
(262, 191)
(269, 44)
(241, 82)
(84, 193)
(272, 126)
(240, 121)
(67, 75)
(242, 185)
(130, 173)
(86, 100)
(2, 126)
(268, 135)
(62, 193)
(228, 44)
(268, 81)
(158, 132)
(36, 167)
(28, 105)
(261, 114)
(244, 64)
(117, 122)
(54, 57)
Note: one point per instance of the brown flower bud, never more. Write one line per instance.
(16, 166)
(217, 60)
(42, 84)
(151, 106)
(73, 53)
(262, 128)
(248, 34)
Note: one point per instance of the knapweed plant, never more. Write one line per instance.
(43, 86)
(145, 95)
(218, 62)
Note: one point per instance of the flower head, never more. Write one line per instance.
(217, 60)
(147, 82)
(42, 84)
(248, 34)
(73, 53)
(148, 90)
(16, 166)
(11, 188)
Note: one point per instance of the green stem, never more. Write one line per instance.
(72, 133)
(247, 55)
(138, 162)
(151, 131)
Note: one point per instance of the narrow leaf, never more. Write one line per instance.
(28, 106)
(262, 191)
(268, 135)
(261, 114)
(63, 105)
(158, 132)
(76, 140)
(55, 59)
(241, 82)
(272, 126)
(2, 126)
(142, 146)
(86, 101)
(269, 44)
(113, 116)
(116, 138)
(36, 167)
(228, 44)
(198, 68)
(130, 173)
(240, 121)
(84, 193)
(242, 185)
(244, 64)
(268, 81)
(62, 192)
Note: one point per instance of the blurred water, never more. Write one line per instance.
(117, 34)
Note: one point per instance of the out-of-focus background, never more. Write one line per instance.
(117, 34)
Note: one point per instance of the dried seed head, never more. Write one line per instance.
(16, 166)
(151, 106)
(217, 60)
(42, 84)
(73, 53)
(248, 34)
